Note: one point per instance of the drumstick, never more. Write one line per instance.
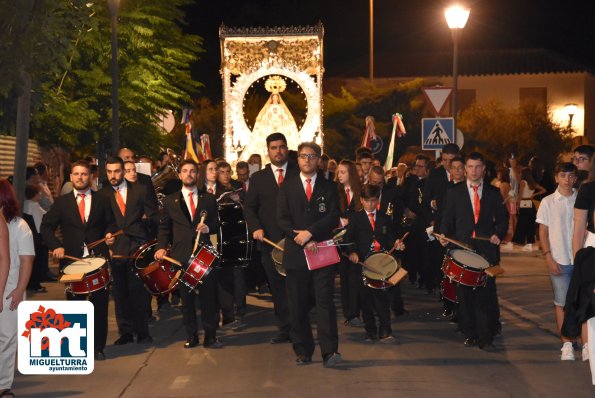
(72, 258)
(481, 238)
(171, 260)
(100, 241)
(395, 246)
(270, 242)
(123, 256)
(455, 242)
(203, 215)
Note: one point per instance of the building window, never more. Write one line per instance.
(533, 96)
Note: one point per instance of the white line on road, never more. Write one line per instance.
(179, 383)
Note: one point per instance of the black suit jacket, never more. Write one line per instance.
(359, 232)
(458, 221)
(435, 189)
(260, 205)
(319, 216)
(176, 227)
(64, 214)
(139, 202)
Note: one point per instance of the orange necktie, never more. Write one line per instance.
(192, 205)
(347, 195)
(120, 201)
(82, 207)
(280, 179)
(476, 204)
(373, 224)
(308, 188)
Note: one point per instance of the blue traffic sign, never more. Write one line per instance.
(437, 132)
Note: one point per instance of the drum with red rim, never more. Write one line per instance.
(199, 267)
(448, 289)
(95, 275)
(159, 277)
(465, 267)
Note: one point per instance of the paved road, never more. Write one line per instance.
(426, 360)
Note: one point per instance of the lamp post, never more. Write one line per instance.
(114, 6)
(372, 41)
(456, 18)
(570, 111)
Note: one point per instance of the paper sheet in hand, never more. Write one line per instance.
(327, 255)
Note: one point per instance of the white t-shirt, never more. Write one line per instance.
(36, 211)
(556, 211)
(21, 244)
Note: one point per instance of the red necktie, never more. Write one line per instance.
(192, 206)
(347, 195)
(476, 204)
(120, 201)
(244, 188)
(280, 179)
(82, 207)
(211, 190)
(373, 224)
(308, 188)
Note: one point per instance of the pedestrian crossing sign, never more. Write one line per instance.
(436, 132)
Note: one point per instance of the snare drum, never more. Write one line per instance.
(384, 266)
(159, 277)
(199, 267)
(233, 240)
(465, 267)
(448, 289)
(277, 256)
(95, 275)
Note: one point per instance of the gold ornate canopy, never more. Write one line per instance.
(248, 54)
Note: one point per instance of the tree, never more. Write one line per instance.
(528, 130)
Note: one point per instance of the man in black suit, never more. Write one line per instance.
(83, 217)
(371, 230)
(179, 224)
(133, 209)
(475, 209)
(434, 195)
(260, 211)
(307, 212)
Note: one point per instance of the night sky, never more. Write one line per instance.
(402, 26)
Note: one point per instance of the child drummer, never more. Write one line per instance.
(370, 231)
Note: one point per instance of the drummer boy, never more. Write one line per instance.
(368, 232)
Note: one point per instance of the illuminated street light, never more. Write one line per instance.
(456, 18)
(570, 111)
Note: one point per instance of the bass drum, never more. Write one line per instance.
(233, 240)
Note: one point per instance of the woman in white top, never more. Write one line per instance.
(525, 229)
(22, 253)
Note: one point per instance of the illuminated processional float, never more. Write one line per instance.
(271, 58)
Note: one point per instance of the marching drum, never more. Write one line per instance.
(465, 267)
(233, 240)
(277, 256)
(198, 267)
(159, 277)
(448, 289)
(384, 266)
(87, 275)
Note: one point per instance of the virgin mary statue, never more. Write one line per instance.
(274, 117)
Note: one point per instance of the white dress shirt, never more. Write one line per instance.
(185, 192)
(556, 211)
(78, 199)
(276, 173)
(312, 181)
(123, 188)
(472, 193)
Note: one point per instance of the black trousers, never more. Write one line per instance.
(255, 275)
(132, 301)
(351, 286)
(278, 291)
(207, 300)
(376, 302)
(231, 292)
(414, 255)
(299, 283)
(433, 264)
(525, 227)
(100, 300)
(479, 312)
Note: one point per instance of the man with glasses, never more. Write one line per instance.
(582, 159)
(307, 212)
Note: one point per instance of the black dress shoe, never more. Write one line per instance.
(192, 341)
(280, 339)
(213, 343)
(144, 339)
(470, 342)
(331, 360)
(124, 339)
(99, 355)
(303, 360)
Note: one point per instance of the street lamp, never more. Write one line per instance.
(570, 111)
(114, 6)
(456, 18)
